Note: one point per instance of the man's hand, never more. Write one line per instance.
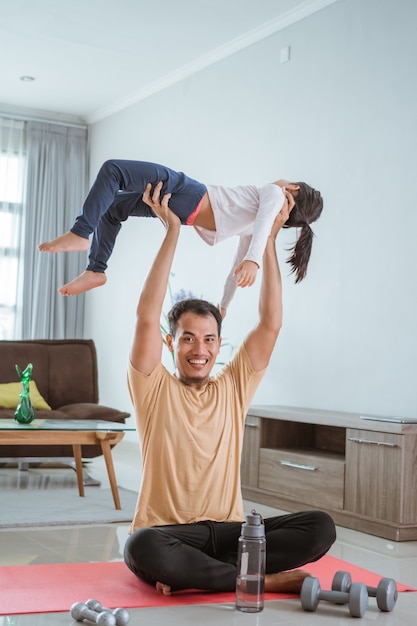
(160, 208)
(284, 214)
(246, 273)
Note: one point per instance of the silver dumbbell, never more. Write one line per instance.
(122, 616)
(80, 611)
(356, 597)
(386, 593)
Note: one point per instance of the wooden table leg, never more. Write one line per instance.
(76, 448)
(105, 446)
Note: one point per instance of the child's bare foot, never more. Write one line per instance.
(84, 282)
(285, 582)
(165, 589)
(68, 242)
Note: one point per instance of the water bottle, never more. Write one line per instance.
(250, 581)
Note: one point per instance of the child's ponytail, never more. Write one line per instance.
(307, 209)
(301, 253)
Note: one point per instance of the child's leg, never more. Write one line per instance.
(114, 176)
(137, 174)
(110, 179)
(131, 176)
(122, 175)
(125, 204)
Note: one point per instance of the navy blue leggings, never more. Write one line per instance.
(204, 555)
(117, 194)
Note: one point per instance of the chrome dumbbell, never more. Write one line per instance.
(80, 611)
(386, 593)
(121, 615)
(356, 598)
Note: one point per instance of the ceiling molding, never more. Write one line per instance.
(38, 115)
(218, 54)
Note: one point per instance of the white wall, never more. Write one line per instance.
(340, 115)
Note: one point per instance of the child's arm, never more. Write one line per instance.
(271, 200)
(251, 247)
(231, 283)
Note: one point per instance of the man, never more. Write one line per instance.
(189, 513)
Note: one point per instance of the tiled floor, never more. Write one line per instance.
(104, 543)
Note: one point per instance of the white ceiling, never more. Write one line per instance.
(91, 58)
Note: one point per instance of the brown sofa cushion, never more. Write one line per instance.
(89, 411)
(65, 370)
(66, 376)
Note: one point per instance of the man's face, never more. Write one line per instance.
(195, 346)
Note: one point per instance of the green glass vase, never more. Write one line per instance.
(25, 412)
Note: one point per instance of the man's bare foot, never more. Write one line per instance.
(165, 589)
(281, 582)
(84, 282)
(285, 582)
(68, 242)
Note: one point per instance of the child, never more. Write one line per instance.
(122, 189)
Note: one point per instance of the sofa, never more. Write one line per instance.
(64, 385)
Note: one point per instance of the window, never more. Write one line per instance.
(11, 196)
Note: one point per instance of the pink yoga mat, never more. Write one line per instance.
(50, 588)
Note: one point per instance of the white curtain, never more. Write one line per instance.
(12, 165)
(55, 189)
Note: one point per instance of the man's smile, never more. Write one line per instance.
(198, 361)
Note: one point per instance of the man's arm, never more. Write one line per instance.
(261, 341)
(146, 349)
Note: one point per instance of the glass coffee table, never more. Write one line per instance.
(72, 432)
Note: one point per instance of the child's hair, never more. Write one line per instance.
(307, 209)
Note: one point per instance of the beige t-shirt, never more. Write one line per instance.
(191, 444)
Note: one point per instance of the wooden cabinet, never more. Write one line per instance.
(388, 462)
(251, 449)
(360, 471)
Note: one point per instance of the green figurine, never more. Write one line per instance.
(25, 412)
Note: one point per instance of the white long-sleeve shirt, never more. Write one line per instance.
(248, 212)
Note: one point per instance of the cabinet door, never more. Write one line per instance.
(374, 483)
(249, 469)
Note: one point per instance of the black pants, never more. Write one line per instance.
(203, 555)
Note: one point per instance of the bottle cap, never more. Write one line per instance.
(254, 526)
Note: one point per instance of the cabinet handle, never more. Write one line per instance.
(375, 443)
(310, 468)
(251, 425)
